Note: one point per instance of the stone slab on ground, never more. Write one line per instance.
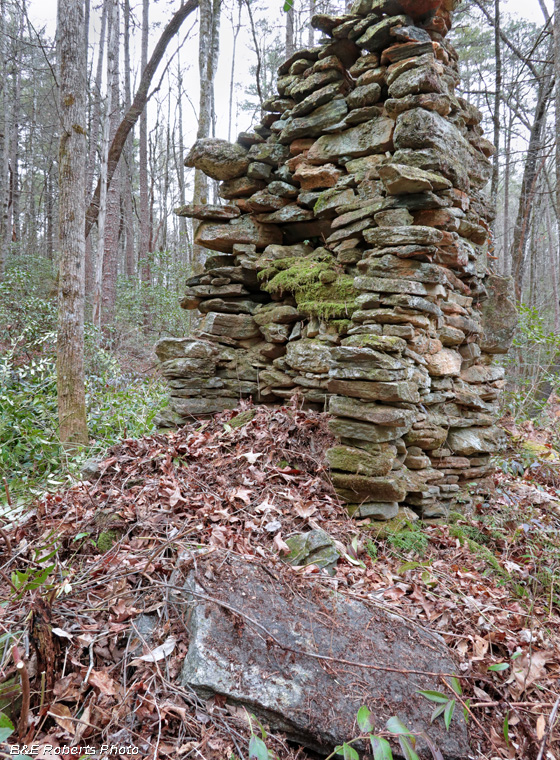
(314, 702)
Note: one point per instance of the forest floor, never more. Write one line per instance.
(84, 563)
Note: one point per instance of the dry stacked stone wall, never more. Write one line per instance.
(348, 262)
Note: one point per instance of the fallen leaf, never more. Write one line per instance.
(280, 545)
(541, 727)
(103, 681)
(164, 650)
(175, 497)
(63, 716)
(62, 634)
(243, 494)
(527, 669)
(305, 511)
(251, 456)
(83, 724)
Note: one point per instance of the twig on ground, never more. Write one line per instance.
(25, 692)
(548, 731)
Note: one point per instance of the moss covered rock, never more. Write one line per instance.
(358, 461)
(316, 281)
(357, 488)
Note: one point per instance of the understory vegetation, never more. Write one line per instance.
(123, 391)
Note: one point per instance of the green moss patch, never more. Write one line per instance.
(317, 282)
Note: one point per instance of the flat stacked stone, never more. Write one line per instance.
(350, 262)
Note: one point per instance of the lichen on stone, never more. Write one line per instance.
(307, 279)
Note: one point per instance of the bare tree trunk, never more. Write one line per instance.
(552, 253)
(93, 139)
(507, 179)
(310, 30)
(530, 173)
(113, 214)
(112, 35)
(557, 146)
(5, 152)
(143, 156)
(290, 39)
(49, 213)
(497, 103)
(208, 48)
(138, 104)
(126, 165)
(72, 171)
(236, 31)
(180, 165)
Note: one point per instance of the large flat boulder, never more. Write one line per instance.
(273, 665)
(222, 237)
(375, 136)
(218, 159)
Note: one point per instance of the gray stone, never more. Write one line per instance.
(408, 235)
(352, 488)
(375, 510)
(314, 123)
(235, 326)
(416, 81)
(364, 95)
(230, 656)
(400, 179)
(474, 440)
(268, 153)
(419, 129)
(222, 237)
(218, 159)
(179, 348)
(348, 428)
(281, 314)
(379, 414)
(371, 137)
(230, 306)
(258, 170)
(309, 355)
(390, 343)
(313, 548)
(376, 391)
(208, 211)
(499, 315)
(195, 407)
(378, 36)
(318, 98)
(302, 88)
(388, 285)
(274, 333)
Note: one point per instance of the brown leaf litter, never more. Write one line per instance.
(88, 561)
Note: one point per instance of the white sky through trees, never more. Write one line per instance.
(43, 15)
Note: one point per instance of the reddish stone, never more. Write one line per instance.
(243, 205)
(295, 161)
(418, 8)
(317, 177)
(441, 217)
(300, 145)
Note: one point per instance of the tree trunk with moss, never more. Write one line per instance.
(72, 209)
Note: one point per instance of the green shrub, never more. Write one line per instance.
(532, 365)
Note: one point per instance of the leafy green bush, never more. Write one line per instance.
(532, 365)
(119, 403)
(153, 308)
